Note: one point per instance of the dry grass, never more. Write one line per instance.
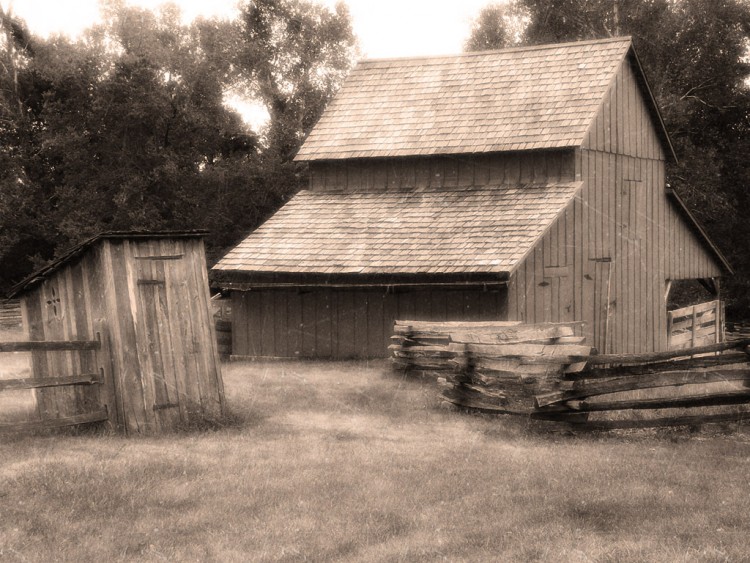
(327, 462)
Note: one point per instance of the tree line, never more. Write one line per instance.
(127, 127)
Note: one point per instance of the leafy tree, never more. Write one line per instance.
(291, 56)
(295, 55)
(22, 236)
(497, 26)
(695, 55)
(127, 128)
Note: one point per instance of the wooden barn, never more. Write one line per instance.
(522, 184)
(145, 297)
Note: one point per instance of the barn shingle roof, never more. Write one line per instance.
(460, 230)
(539, 97)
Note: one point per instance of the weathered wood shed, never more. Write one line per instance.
(145, 296)
(521, 184)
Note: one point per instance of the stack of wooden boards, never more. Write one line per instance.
(546, 371)
(498, 366)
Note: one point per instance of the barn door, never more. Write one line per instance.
(557, 292)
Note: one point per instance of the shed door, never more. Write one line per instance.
(159, 363)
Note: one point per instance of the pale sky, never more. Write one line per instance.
(385, 28)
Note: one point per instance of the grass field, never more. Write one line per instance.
(348, 462)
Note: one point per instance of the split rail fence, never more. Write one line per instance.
(79, 403)
(545, 371)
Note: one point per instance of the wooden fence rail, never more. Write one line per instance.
(98, 414)
(49, 345)
(64, 381)
(544, 371)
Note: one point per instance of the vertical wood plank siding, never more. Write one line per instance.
(160, 358)
(57, 310)
(348, 323)
(442, 171)
(626, 238)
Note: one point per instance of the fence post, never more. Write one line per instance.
(105, 363)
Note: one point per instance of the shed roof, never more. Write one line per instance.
(446, 231)
(81, 248)
(540, 97)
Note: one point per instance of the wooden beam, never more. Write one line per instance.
(710, 285)
(461, 400)
(601, 359)
(531, 353)
(702, 400)
(31, 383)
(659, 367)
(164, 257)
(26, 426)
(619, 384)
(404, 327)
(512, 335)
(49, 345)
(249, 286)
(658, 422)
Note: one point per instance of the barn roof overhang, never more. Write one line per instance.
(437, 234)
(76, 252)
(652, 106)
(250, 281)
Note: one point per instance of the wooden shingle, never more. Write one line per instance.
(539, 97)
(462, 230)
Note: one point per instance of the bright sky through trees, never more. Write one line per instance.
(386, 28)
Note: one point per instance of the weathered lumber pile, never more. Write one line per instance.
(492, 366)
(420, 346)
(737, 330)
(503, 371)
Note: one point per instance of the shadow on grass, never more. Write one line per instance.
(234, 418)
